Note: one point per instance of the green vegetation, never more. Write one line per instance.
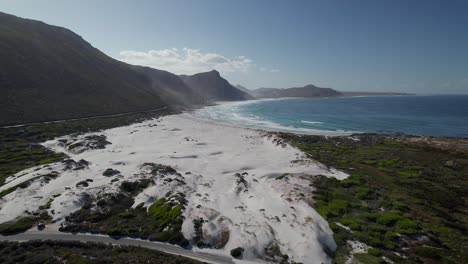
(52, 252)
(22, 224)
(20, 147)
(400, 197)
(167, 214)
(112, 214)
(49, 203)
(368, 259)
(17, 226)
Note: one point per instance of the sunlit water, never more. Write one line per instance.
(441, 115)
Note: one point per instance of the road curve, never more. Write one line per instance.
(166, 248)
(86, 118)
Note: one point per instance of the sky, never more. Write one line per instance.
(362, 45)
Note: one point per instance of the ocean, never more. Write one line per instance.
(432, 115)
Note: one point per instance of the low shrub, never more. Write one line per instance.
(389, 218)
(237, 252)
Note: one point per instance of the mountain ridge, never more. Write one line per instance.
(51, 73)
(314, 91)
(305, 91)
(211, 86)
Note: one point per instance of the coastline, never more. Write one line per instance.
(239, 179)
(262, 125)
(343, 116)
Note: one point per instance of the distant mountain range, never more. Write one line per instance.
(306, 91)
(50, 73)
(372, 93)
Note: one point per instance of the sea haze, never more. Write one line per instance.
(435, 115)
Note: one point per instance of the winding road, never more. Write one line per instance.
(87, 118)
(166, 248)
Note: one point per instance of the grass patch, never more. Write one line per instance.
(112, 214)
(17, 226)
(22, 224)
(368, 259)
(166, 213)
(400, 196)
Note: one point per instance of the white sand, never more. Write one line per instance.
(356, 247)
(261, 211)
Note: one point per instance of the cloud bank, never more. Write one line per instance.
(187, 61)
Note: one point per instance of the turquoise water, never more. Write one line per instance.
(441, 115)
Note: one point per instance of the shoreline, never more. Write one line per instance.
(435, 141)
(272, 127)
(226, 113)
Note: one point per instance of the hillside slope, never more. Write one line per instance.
(212, 87)
(49, 73)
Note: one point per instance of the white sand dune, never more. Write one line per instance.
(258, 207)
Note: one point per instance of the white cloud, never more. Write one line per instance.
(264, 69)
(187, 61)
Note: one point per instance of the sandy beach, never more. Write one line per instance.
(243, 182)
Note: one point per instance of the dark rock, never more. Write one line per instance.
(71, 164)
(110, 172)
(198, 238)
(452, 165)
(159, 168)
(82, 184)
(83, 162)
(96, 141)
(135, 187)
(237, 252)
(40, 226)
(242, 184)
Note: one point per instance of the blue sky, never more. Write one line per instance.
(412, 46)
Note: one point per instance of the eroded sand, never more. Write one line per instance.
(257, 211)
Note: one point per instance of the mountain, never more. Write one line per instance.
(50, 73)
(309, 91)
(306, 91)
(212, 87)
(242, 88)
(345, 93)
